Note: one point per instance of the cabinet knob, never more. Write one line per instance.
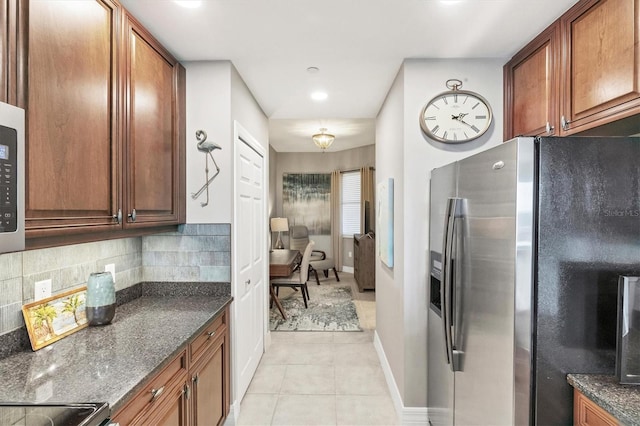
(155, 393)
(195, 379)
(118, 217)
(187, 391)
(211, 334)
(132, 215)
(564, 123)
(549, 128)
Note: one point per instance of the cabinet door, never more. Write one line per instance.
(172, 411)
(531, 87)
(13, 23)
(601, 68)
(153, 79)
(209, 380)
(72, 141)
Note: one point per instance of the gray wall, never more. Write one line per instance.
(403, 153)
(311, 162)
(194, 253)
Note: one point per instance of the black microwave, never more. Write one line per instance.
(12, 173)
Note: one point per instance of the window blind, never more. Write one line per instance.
(350, 201)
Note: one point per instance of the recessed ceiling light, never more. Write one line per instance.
(319, 96)
(191, 4)
(313, 70)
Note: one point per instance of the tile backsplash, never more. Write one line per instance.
(196, 252)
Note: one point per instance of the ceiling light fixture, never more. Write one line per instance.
(313, 70)
(323, 140)
(319, 96)
(190, 4)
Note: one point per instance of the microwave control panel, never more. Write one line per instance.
(8, 180)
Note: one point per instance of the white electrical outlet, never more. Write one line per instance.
(350, 254)
(42, 289)
(111, 267)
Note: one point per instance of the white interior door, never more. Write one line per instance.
(249, 253)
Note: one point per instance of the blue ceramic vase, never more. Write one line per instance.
(101, 298)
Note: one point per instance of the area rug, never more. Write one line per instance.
(330, 309)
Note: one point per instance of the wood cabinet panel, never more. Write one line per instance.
(597, 61)
(602, 63)
(105, 124)
(173, 411)
(13, 14)
(209, 386)
(531, 87)
(152, 130)
(588, 413)
(71, 115)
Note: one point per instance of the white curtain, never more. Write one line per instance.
(336, 231)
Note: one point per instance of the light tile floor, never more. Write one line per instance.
(321, 378)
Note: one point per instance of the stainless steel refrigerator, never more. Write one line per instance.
(527, 241)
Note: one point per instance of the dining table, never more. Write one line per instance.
(282, 263)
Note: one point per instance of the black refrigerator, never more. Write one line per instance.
(527, 241)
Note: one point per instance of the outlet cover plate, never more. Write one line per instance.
(111, 267)
(42, 289)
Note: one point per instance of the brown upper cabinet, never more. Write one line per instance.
(531, 87)
(154, 117)
(590, 77)
(105, 118)
(12, 24)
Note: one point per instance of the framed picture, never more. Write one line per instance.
(306, 200)
(384, 222)
(49, 320)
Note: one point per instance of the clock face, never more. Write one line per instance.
(456, 116)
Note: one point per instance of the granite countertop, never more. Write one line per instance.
(110, 363)
(621, 401)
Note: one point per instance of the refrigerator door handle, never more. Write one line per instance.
(458, 212)
(447, 248)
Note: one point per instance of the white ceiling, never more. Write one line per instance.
(358, 45)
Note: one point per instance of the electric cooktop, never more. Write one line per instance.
(84, 414)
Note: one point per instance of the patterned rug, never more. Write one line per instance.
(330, 309)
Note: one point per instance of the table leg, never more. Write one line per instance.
(277, 302)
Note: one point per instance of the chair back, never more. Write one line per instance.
(304, 265)
(298, 237)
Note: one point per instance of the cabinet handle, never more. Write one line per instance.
(118, 217)
(187, 391)
(564, 123)
(195, 379)
(247, 282)
(211, 334)
(132, 215)
(155, 393)
(549, 128)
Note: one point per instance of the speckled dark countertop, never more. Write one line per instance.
(621, 401)
(110, 363)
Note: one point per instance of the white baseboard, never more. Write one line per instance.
(406, 415)
(347, 269)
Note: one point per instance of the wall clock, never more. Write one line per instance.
(456, 116)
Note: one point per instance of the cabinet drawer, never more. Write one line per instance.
(205, 339)
(155, 391)
(588, 413)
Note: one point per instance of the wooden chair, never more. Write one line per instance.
(299, 277)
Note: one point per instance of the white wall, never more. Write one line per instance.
(216, 96)
(208, 109)
(404, 316)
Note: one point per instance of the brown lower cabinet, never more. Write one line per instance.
(193, 389)
(588, 413)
